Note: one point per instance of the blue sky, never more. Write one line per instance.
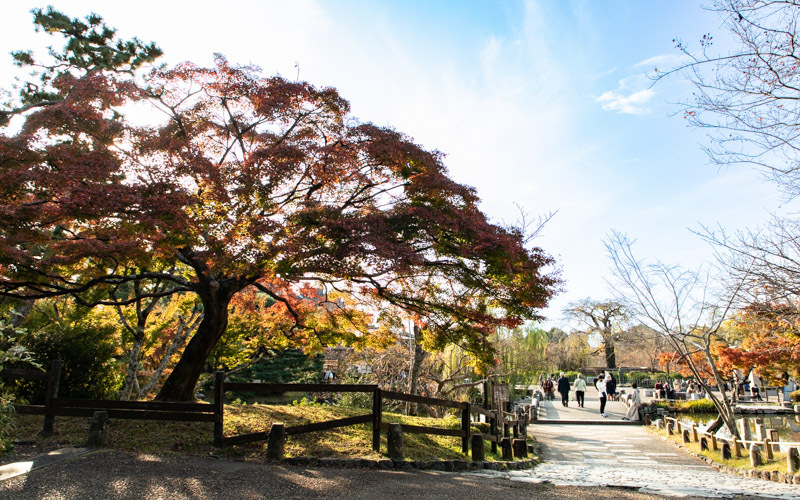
(541, 104)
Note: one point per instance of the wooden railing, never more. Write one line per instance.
(501, 424)
(734, 447)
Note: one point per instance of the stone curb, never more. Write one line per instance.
(774, 476)
(406, 465)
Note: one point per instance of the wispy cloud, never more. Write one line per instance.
(663, 61)
(632, 104)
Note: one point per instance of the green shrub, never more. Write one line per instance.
(87, 353)
(7, 424)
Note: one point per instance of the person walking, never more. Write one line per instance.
(600, 384)
(636, 403)
(580, 390)
(563, 388)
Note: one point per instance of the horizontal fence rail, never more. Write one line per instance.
(500, 423)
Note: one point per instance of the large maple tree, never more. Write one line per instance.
(239, 181)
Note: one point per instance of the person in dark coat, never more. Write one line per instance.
(563, 388)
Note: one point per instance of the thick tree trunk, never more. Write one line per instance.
(180, 384)
(611, 355)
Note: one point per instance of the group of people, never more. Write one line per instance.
(605, 384)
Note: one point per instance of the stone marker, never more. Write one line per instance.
(98, 436)
(726, 451)
(703, 444)
(394, 442)
(276, 441)
(755, 455)
(478, 453)
(686, 438)
(659, 424)
(669, 427)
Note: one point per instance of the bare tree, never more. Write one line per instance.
(680, 305)
(747, 97)
(604, 318)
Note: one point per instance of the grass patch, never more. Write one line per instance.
(778, 463)
(196, 437)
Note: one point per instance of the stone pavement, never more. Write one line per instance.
(594, 454)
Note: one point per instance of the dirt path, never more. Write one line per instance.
(122, 475)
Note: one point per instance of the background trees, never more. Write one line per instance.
(247, 183)
(604, 319)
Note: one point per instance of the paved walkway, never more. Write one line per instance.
(597, 454)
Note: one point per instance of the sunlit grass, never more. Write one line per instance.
(196, 437)
(778, 463)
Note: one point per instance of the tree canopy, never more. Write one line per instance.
(245, 182)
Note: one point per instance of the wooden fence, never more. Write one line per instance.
(501, 424)
(732, 448)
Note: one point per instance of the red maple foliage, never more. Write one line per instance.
(249, 182)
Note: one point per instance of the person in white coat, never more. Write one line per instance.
(600, 384)
(635, 404)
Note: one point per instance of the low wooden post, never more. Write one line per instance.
(478, 451)
(493, 431)
(520, 448)
(768, 449)
(755, 455)
(377, 418)
(669, 426)
(506, 430)
(219, 407)
(53, 381)
(515, 430)
(772, 434)
(737, 448)
(276, 441)
(465, 428)
(394, 442)
(98, 436)
(714, 445)
(694, 433)
(505, 446)
(685, 435)
(703, 443)
(792, 460)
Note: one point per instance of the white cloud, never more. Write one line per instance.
(631, 104)
(664, 61)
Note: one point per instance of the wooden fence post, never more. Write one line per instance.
(714, 442)
(465, 428)
(377, 417)
(219, 407)
(493, 431)
(53, 381)
(772, 434)
(768, 449)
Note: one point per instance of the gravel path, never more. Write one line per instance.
(122, 475)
